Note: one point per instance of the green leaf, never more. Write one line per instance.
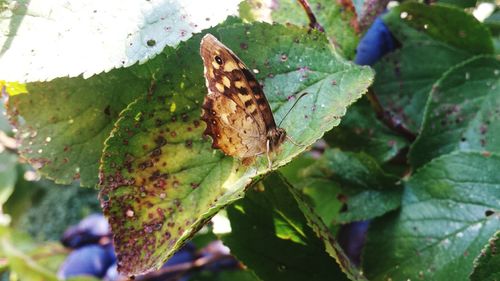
(226, 275)
(459, 3)
(486, 264)
(5, 126)
(64, 205)
(291, 171)
(496, 42)
(365, 188)
(90, 38)
(8, 176)
(331, 245)
(161, 181)
(296, 245)
(325, 196)
(433, 38)
(448, 212)
(338, 18)
(462, 112)
(25, 193)
(64, 133)
(361, 131)
(356, 170)
(493, 23)
(20, 251)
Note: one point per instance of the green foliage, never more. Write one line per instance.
(268, 222)
(448, 212)
(362, 131)
(459, 3)
(486, 264)
(462, 112)
(421, 166)
(8, 175)
(160, 176)
(433, 39)
(338, 18)
(238, 275)
(64, 205)
(20, 251)
(64, 134)
(354, 179)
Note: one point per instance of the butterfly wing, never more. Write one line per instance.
(232, 130)
(236, 110)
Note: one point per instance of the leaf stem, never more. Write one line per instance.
(175, 272)
(313, 23)
(387, 118)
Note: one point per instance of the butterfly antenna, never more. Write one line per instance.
(302, 95)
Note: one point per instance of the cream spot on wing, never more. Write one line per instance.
(239, 84)
(215, 65)
(219, 87)
(251, 108)
(245, 98)
(226, 82)
(241, 65)
(232, 106)
(224, 119)
(230, 66)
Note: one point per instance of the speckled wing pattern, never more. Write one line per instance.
(236, 111)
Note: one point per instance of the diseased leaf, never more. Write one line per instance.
(62, 124)
(486, 264)
(355, 179)
(297, 246)
(462, 113)
(161, 181)
(91, 37)
(433, 38)
(449, 210)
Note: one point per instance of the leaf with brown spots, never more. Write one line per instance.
(443, 35)
(461, 116)
(62, 124)
(161, 180)
(449, 210)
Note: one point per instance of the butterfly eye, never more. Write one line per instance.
(218, 60)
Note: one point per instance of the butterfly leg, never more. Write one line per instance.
(268, 149)
(294, 142)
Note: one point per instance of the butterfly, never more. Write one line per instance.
(238, 116)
